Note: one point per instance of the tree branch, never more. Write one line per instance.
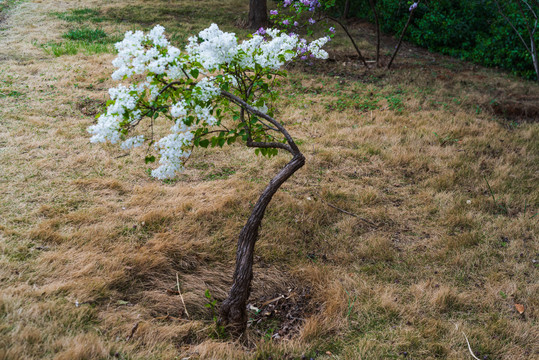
(292, 148)
(351, 39)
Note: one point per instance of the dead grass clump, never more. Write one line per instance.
(81, 347)
(155, 220)
(447, 301)
(47, 233)
(101, 184)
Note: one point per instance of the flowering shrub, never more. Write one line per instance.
(292, 14)
(188, 89)
(193, 91)
(296, 14)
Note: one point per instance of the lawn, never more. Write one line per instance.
(411, 229)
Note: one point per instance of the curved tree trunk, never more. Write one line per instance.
(233, 312)
(258, 14)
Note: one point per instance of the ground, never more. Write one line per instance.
(412, 227)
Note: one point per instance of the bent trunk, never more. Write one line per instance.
(233, 310)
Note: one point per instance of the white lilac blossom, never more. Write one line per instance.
(413, 6)
(179, 85)
(315, 47)
(133, 142)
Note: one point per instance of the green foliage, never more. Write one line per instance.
(219, 330)
(472, 30)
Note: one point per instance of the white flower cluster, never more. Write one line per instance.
(123, 108)
(215, 51)
(135, 58)
(315, 48)
(272, 53)
(133, 142)
(217, 47)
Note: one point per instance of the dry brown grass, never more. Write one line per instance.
(404, 150)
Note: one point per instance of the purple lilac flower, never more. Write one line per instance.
(332, 30)
(311, 21)
(274, 12)
(287, 3)
(261, 31)
(303, 57)
(286, 22)
(296, 23)
(413, 6)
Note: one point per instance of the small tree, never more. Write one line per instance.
(528, 10)
(195, 91)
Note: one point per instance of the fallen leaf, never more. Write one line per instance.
(520, 308)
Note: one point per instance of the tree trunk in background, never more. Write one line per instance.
(346, 11)
(258, 14)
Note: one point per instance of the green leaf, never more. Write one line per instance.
(194, 73)
(149, 159)
(204, 143)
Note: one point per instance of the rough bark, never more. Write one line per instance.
(233, 310)
(258, 14)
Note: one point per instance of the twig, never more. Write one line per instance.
(272, 300)
(181, 296)
(133, 330)
(346, 212)
(351, 39)
(467, 342)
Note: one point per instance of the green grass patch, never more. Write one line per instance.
(74, 47)
(80, 15)
(86, 40)
(88, 35)
(220, 174)
(12, 93)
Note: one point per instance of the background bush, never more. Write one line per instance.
(468, 29)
